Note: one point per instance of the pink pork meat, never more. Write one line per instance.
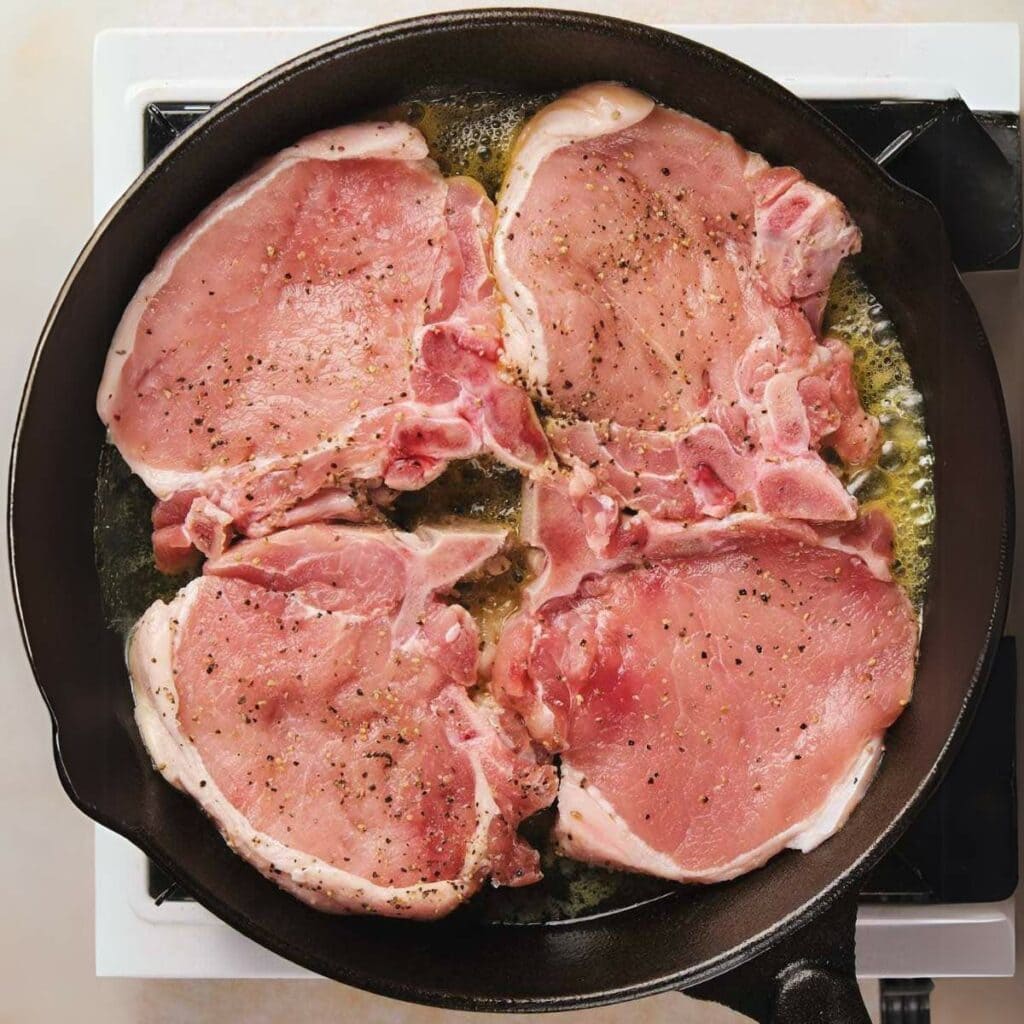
(324, 334)
(310, 693)
(717, 692)
(663, 294)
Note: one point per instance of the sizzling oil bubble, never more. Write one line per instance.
(901, 481)
(470, 132)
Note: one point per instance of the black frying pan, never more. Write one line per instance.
(802, 971)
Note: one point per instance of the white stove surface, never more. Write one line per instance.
(981, 62)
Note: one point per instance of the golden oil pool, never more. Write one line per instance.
(901, 481)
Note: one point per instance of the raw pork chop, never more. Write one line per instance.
(717, 692)
(663, 290)
(310, 692)
(326, 329)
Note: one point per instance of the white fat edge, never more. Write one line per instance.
(755, 162)
(539, 719)
(839, 804)
(877, 565)
(600, 826)
(585, 113)
(315, 881)
(166, 482)
(614, 842)
(522, 335)
(399, 142)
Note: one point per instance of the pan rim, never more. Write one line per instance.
(455, 21)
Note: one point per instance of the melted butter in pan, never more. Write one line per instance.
(481, 489)
(470, 133)
(901, 481)
(493, 595)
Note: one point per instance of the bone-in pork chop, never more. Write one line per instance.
(325, 331)
(310, 692)
(717, 692)
(663, 294)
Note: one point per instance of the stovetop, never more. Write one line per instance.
(933, 904)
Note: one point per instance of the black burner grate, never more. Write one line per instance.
(967, 164)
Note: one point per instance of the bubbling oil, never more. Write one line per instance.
(470, 133)
(901, 480)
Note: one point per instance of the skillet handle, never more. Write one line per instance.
(807, 978)
(809, 992)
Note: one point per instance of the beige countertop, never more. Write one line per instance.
(46, 854)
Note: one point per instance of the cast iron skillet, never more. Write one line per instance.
(679, 941)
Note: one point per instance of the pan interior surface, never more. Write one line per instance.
(681, 937)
